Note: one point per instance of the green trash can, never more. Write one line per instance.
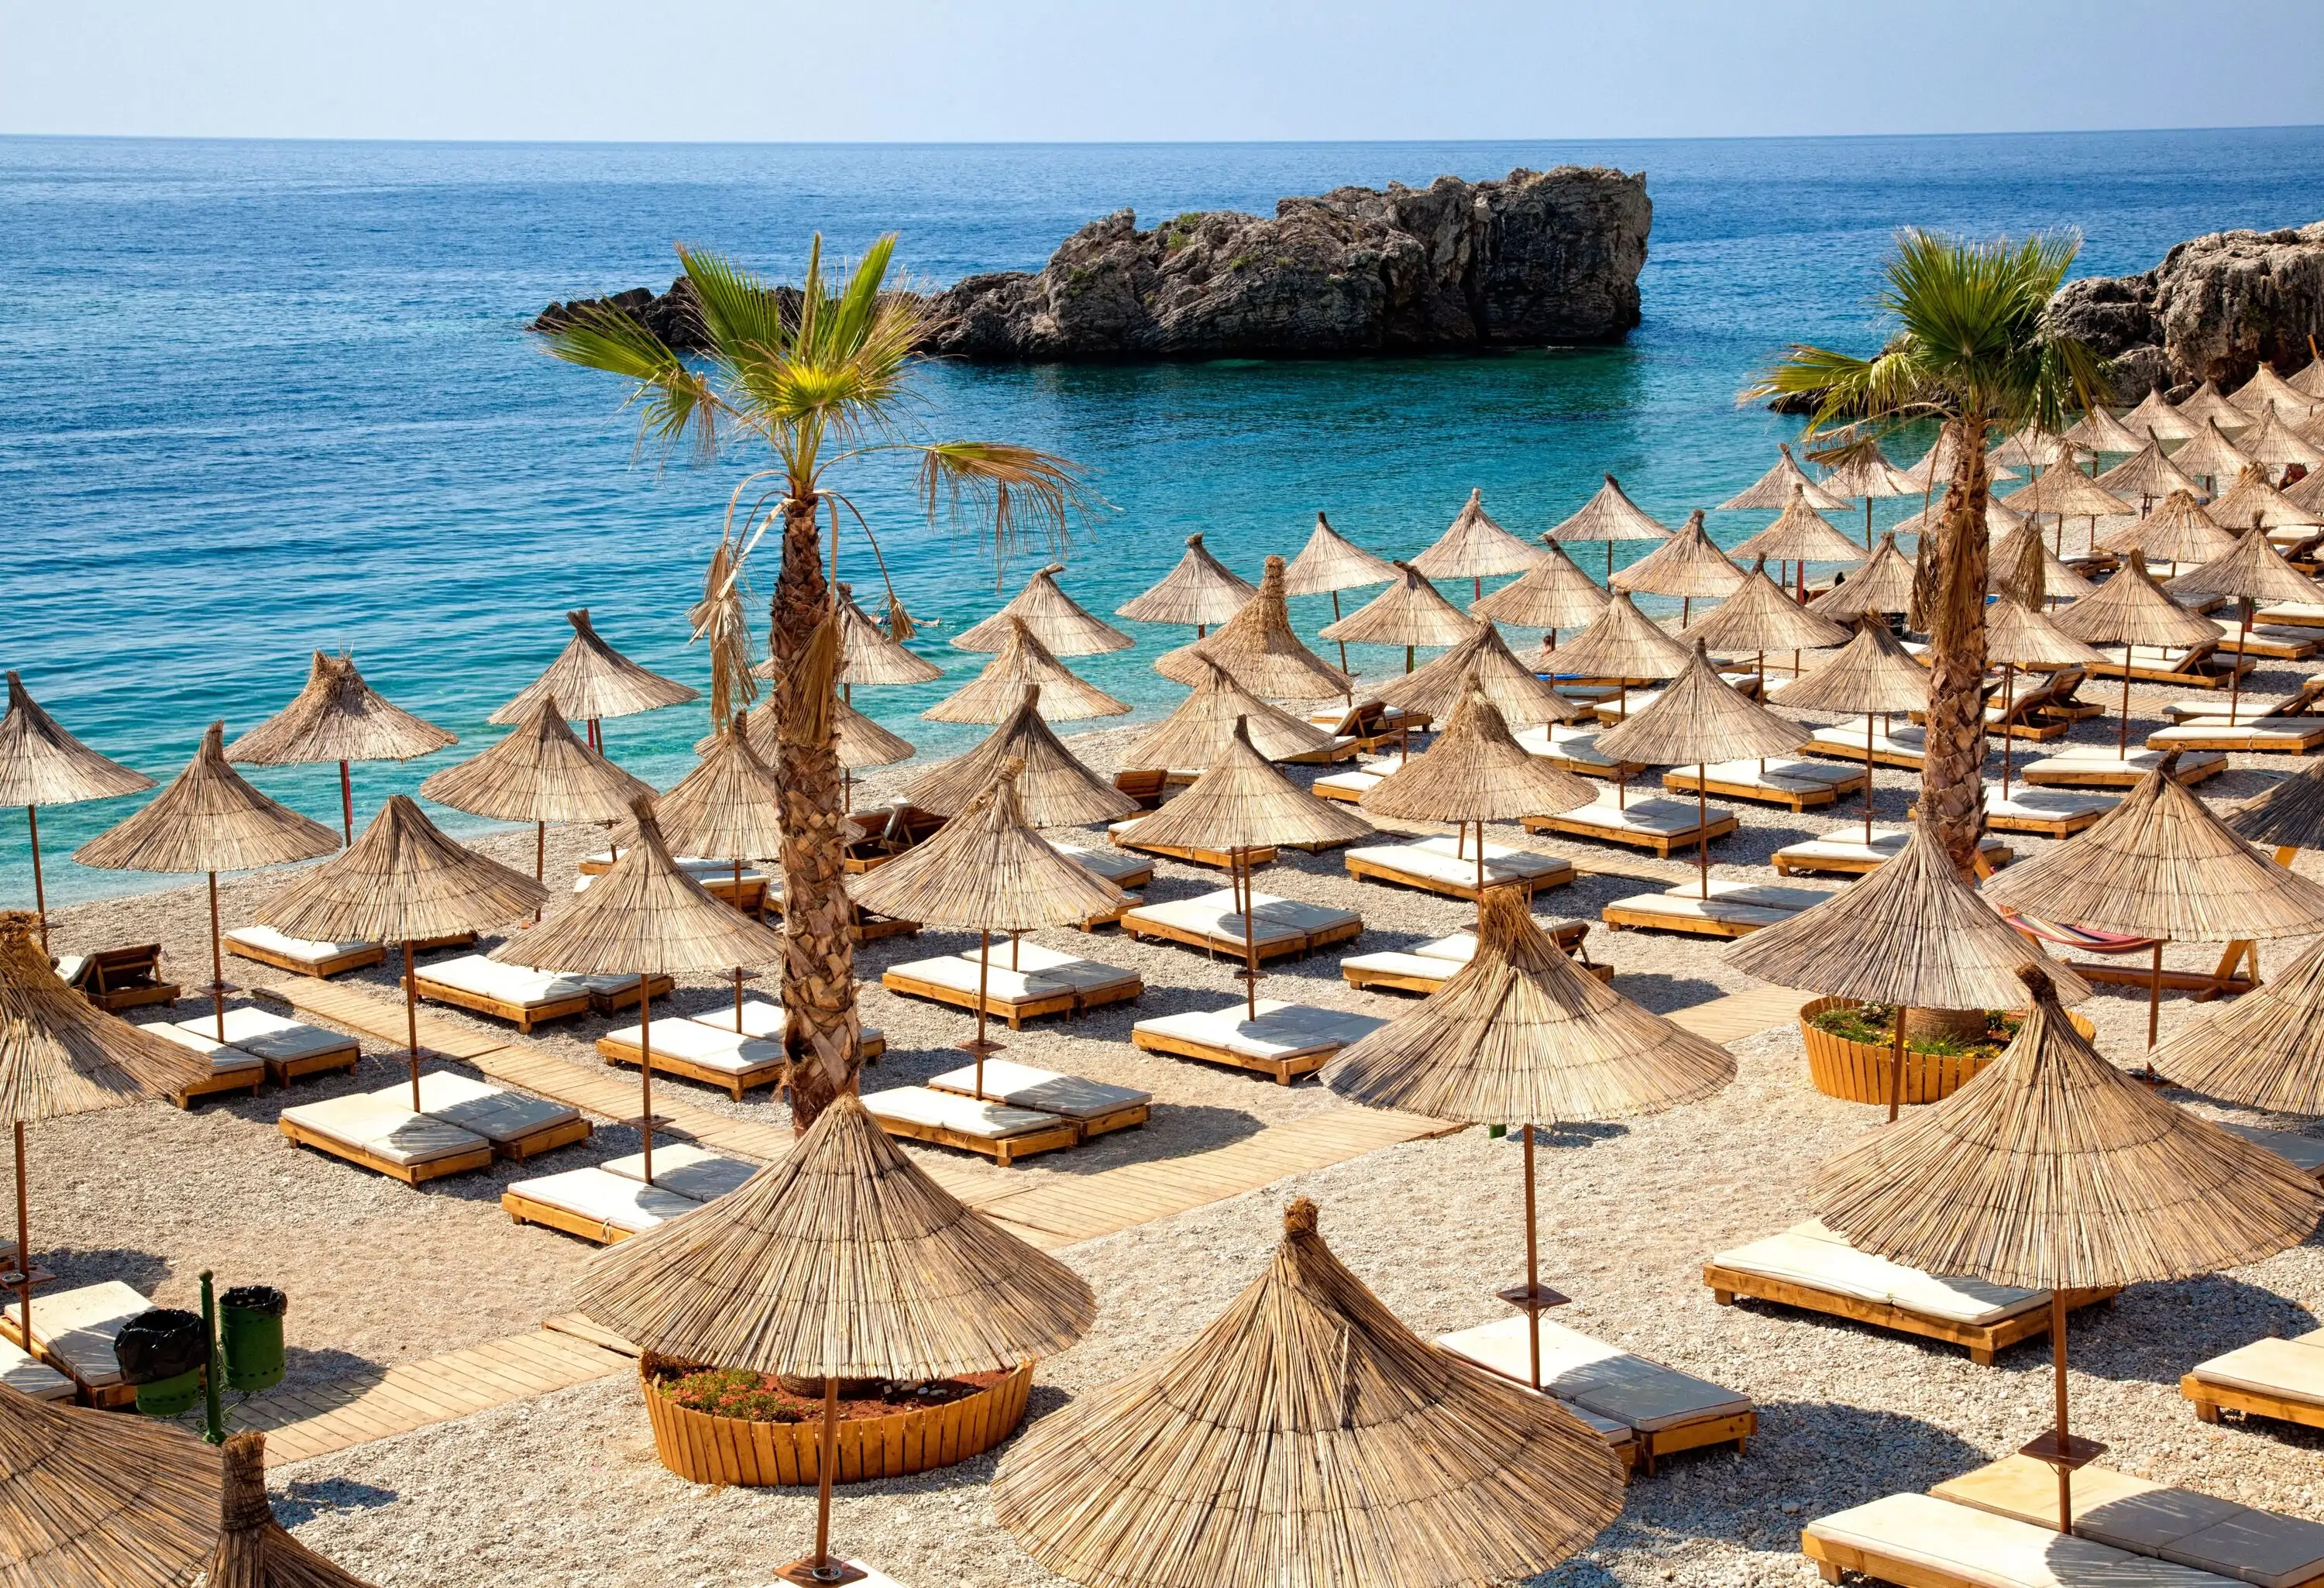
(250, 1329)
(161, 1353)
(167, 1398)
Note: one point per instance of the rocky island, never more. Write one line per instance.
(2214, 309)
(1532, 259)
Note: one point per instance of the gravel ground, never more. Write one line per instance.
(565, 1490)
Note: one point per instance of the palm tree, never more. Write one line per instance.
(1974, 352)
(822, 379)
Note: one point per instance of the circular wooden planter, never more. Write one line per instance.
(1858, 1072)
(711, 1449)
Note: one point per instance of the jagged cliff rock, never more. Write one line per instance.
(2214, 309)
(1532, 259)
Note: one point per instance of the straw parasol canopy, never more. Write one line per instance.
(2264, 1049)
(1053, 790)
(986, 869)
(337, 716)
(1474, 546)
(1242, 802)
(1801, 534)
(2253, 501)
(253, 1549)
(1199, 731)
(2251, 570)
(1307, 1437)
(1623, 644)
(41, 764)
(2290, 815)
(2205, 406)
(729, 806)
(993, 693)
(2155, 417)
(1260, 648)
(1864, 473)
(1873, 674)
(1609, 516)
(2308, 495)
(1056, 619)
(593, 680)
(867, 655)
(208, 819)
(96, 1500)
(2178, 531)
(1483, 662)
(538, 774)
(2211, 456)
(2131, 609)
(2066, 492)
(1772, 491)
(402, 881)
(1884, 586)
(1552, 594)
(2030, 448)
(2018, 636)
(2099, 432)
(1934, 469)
(2308, 379)
(861, 741)
(2277, 445)
(1330, 562)
(1409, 612)
(2060, 582)
(2149, 476)
(1999, 519)
(1760, 618)
(1476, 773)
(2266, 389)
(1687, 565)
(1199, 591)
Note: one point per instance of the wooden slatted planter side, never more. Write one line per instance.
(1858, 1072)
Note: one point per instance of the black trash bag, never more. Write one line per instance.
(160, 1344)
(260, 1298)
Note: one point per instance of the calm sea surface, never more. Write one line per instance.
(259, 398)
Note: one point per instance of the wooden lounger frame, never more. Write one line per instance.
(1144, 784)
(1661, 845)
(1070, 1000)
(140, 967)
(1897, 760)
(1618, 772)
(1283, 1070)
(548, 1138)
(2238, 738)
(352, 959)
(626, 998)
(1004, 1152)
(522, 1209)
(2185, 777)
(1621, 916)
(1120, 1118)
(1373, 872)
(1981, 1340)
(523, 1016)
(2210, 1399)
(1681, 781)
(1280, 948)
(2203, 669)
(251, 1078)
(1996, 857)
(2063, 826)
(1219, 858)
(103, 1397)
(775, 1071)
(1367, 725)
(412, 1174)
(283, 1071)
(1368, 980)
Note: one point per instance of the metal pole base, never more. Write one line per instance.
(1532, 1297)
(805, 1570)
(2074, 1454)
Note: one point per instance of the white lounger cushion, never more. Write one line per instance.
(224, 1060)
(1108, 862)
(2294, 1369)
(1903, 739)
(948, 1111)
(1660, 819)
(2044, 805)
(1022, 1085)
(2249, 708)
(70, 967)
(1785, 773)
(1393, 963)
(1599, 1377)
(509, 983)
(2099, 758)
(80, 1325)
(1960, 1542)
(269, 1036)
(1356, 782)
(1811, 1255)
(1848, 843)
(2290, 731)
(27, 1377)
(1451, 860)
(1282, 1030)
(384, 1129)
(1044, 972)
(493, 1113)
(304, 950)
(1579, 745)
(698, 1042)
(689, 1171)
(2304, 1153)
(761, 1017)
(1273, 919)
(613, 1200)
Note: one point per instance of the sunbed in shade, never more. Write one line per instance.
(2227, 978)
(1931, 1543)
(232, 1070)
(73, 1332)
(868, 928)
(1899, 745)
(1662, 1410)
(2182, 1526)
(692, 1171)
(2050, 813)
(506, 992)
(1426, 966)
(301, 957)
(2200, 667)
(1123, 871)
(1811, 1268)
(28, 1377)
(749, 895)
(1628, 704)
(2244, 734)
(518, 1124)
(1449, 866)
(610, 994)
(701, 1051)
(1791, 782)
(1093, 1107)
(1845, 851)
(1370, 724)
(1349, 787)
(1125, 835)
(1023, 981)
(761, 1017)
(2270, 642)
(1211, 921)
(1285, 1040)
(2293, 615)
(290, 1048)
(947, 1118)
(2279, 1379)
(2308, 700)
(115, 979)
(594, 1204)
(2100, 766)
(2304, 1153)
(1733, 910)
(1660, 827)
(386, 1137)
(1575, 750)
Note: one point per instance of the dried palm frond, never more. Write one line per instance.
(1698, 718)
(96, 1500)
(208, 819)
(2290, 815)
(1199, 731)
(1199, 590)
(1687, 564)
(2252, 503)
(1871, 673)
(59, 1054)
(538, 774)
(1609, 516)
(868, 655)
(2148, 475)
(994, 693)
(1623, 644)
(2266, 389)
(1884, 585)
(2211, 456)
(1482, 661)
(1242, 802)
(1306, 1437)
(2020, 636)
(2053, 1170)
(1056, 619)
(1800, 534)
(1475, 548)
(2254, 570)
(1410, 612)
(402, 881)
(1331, 561)
(2022, 548)
(2155, 417)
(41, 764)
(721, 622)
(2131, 609)
(843, 1260)
(1476, 773)
(2264, 1049)
(592, 680)
(1259, 646)
(985, 869)
(2177, 530)
(253, 1549)
(1772, 491)
(1760, 617)
(1054, 789)
(337, 716)
(861, 741)
(1552, 593)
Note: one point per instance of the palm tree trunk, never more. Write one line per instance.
(819, 986)
(1953, 772)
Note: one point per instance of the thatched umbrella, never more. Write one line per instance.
(253, 1549)
(2032, 448)
(729, 806)
(1519, 1034)
(2155, 417)
(2131, 610)
(1872, 674)
(1330, 563)
(1759, 618)
(1772, 490)
(2210, 456)
(1259, 646)
(988, 872)
(1935, 468)
(540, 774)
(2205, 406)
(1198, 732)
(2251, 502)
(2266, 389)
(1053, 790)
(2177, 531)
(1623, 644)
(993, 693)
(2276, 446)
(594, 681)
(403, 882)
(2148, 475)
(338, 717)
(1914, 935)
(62, 1054)
(1700, 717)
(2308, 495)
(2251, 571)
(2099, 431)
(859, 742)
(844, 1260)
(2066, 492)
(1803, 535)
(1687, 565)
(96, 1500)
(1199, 590)
(1609, 516)
(2264, 1049)
(867, 654)
(2289, 815)
(41, 764)
(1475, 772)
(1553, 594)
(1057, 620)
(645, 917)
(1308, 1437)
(1999, 519)
(1884, 587)
(209, 819)
(2161, 865)
(1474, 547)
(2006, 555)
(2018, 636)
(1241, 803)
(1482, 661)
(2053, 1170)
(1861, 470)
(1409, 612)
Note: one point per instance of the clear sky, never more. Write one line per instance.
(1057, 69)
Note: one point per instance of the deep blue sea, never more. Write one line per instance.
(257, 398)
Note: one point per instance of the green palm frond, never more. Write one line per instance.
(740, 312)
(675, 403)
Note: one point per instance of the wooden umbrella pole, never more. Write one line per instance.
(1533, 1269)
(1249, 949)
(23, 1249)
(2007, 736)
(539, 860)
(1896, 1066)
(1609, 562)
(2065, 1440)
(2243, 635)
(1868, 523)
(738, 1001)
(347, 802)
(412, 1019)
(1703, 826)
(826, 1463)
(645, 1069)
(2122, 733)
(217, 963)
(1867, 779)
(1335, 618)
(1408, 659)
(39, 893)
(983, 973)
(2153, 1003)
(1480, 869)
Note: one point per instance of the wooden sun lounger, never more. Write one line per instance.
(1210, 921)
(1920, 1541)
(1902, 747)
(905, 827)
(1371, 724)
(700, 1051)
(2270, 642)
(1024, 981)
(1147, 785)
(1608, 713)
(2225, 980)
(1124, 834)
(1426, 966)
(1575, 750)
(115, 979)
(1788, 781)
(868, 928)
(2048, 813)
(1733, 910)
(2304, 1153)
(299, 956)
(505, 991)
(2097, 766)
(290, 1050)
(1091, 1107)
(232, 1068)
(2294, 614)
(1844, 852)
(1662, 1410)
(1811, 1267)
(2266, 736)
(519, 1125)
(946, 1119)
(692, 1172)
(2275, 1378)
(594, 1204)
(73, 1332)
(2308, 700)
(387, 1138)
(1286, 1041)
(1662, 827)
(610, 994)
(1349, 787)
(1448, 866)
(2199, 667)
(31, 1377)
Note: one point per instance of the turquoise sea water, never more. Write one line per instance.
(259, 398)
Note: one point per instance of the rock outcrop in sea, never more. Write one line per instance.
(2214, 309)
(1534, 259)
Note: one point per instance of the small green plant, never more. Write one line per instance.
(1874, 1026)
(735, 1393)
